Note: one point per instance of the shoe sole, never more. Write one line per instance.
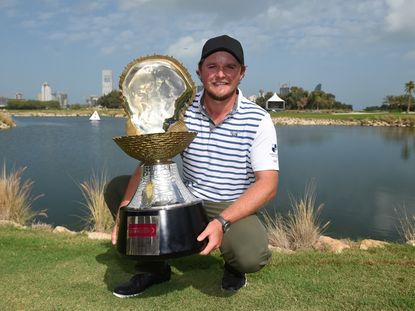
(138, 294)
(126, 296)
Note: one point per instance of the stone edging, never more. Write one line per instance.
(365, 122)
(323, 243)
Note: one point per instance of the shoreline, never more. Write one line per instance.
(333, 122)
(388, 121)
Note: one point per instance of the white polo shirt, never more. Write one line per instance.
(219, 164)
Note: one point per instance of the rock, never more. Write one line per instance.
(99, 236)
(42, 226)
(411, 242)
(61, 229)
(336, 246)
(368, 243)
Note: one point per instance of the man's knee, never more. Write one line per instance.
(245, 245)
(247, 260)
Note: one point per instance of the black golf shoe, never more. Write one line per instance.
(140, 282)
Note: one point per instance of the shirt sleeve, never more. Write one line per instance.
(264, 150)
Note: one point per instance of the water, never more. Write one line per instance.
(362, 174)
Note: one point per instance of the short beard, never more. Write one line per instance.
(220, 98)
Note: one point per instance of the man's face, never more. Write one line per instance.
(220, 74)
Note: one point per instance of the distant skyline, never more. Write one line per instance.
(359, 50)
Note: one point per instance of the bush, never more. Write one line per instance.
(6, 119)
(407, 225)
(99, 217)
(301, 229)
(15, 197)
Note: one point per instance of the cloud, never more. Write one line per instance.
(409, 55)
(322, 25)
(186, 47)
(181, 27)
(6, 4)
(131, 4)
(401, 17)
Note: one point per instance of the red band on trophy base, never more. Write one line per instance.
(142, 230)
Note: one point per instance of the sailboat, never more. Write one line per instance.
(94, 116)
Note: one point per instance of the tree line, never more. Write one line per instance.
(20, 104)
(111, 100)
(300, 99)
(296, 99)
(398, 102)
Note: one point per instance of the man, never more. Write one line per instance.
(232, 165)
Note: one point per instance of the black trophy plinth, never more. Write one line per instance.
(164, 233)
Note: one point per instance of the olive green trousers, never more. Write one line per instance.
(244, 246)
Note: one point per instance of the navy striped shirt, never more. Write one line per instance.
(220, 164)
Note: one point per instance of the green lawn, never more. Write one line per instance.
(40, 270)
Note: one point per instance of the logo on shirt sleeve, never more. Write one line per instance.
(274, 148)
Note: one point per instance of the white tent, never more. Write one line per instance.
(275, 103)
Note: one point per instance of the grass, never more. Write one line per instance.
(407, 224)
(99, 217)
(15, 197)
(6, 119)
(40, 270)
(301, 229)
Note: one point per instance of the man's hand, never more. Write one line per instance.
(214, 233)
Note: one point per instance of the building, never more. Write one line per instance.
(45, 93)
(63, 100)
(107, 85)
(284, 89)
(3, 102)
(19, 96)
(318, 87)
(253, 98)
(92, 100)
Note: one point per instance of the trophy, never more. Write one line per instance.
(163, 219)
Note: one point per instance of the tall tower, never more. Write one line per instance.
(106, 81)
(46, 92)
(284, 89)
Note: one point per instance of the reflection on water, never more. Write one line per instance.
(298, 136)
(405, 136)
(361, 173)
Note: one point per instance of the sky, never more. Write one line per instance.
(359, 50)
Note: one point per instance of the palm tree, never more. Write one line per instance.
(409, 88)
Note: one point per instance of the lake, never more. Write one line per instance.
(361, 174)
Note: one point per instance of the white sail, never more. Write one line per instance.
(95, 116)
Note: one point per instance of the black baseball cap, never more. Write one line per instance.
(223, 43)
